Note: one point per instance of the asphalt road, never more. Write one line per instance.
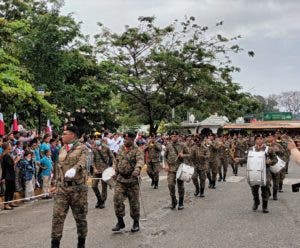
(222, 219)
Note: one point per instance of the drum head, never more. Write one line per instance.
(108, 174)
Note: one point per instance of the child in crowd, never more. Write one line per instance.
(46, 164)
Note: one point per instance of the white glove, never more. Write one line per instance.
(70, 173)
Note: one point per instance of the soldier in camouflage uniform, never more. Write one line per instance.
(71, 190)
(199, 158)
(212, 161)
(176, 153)
(285, 157)
(271, 159)
(128, 165)
(279, 151)
(152, 159)
(223, 158)
(103, 158)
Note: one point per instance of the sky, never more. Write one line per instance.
(271, 28)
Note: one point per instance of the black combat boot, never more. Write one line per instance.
(213, 184)
(102, 204)
(180, 204)
(155, 184)
(135, 226)
(152, 182)
(275, 198)
(280, 188)
(120, 225)
(81, 243)
(255, 204)
(173, 203)
(265, 207)
(55, 243)
(224, 177)
(196, 190)
(209, 179)
(220, 177)
(202, 192)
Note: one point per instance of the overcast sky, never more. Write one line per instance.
(271, 28)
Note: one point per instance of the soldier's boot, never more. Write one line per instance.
(102, 204)
(120, 225)
(173, 203)
(55, 243)
(81, 243)
(135, 226)
(209, 179)
(280, 188)
(213, 184)
(197, 191)
(220, 177)
(275, 198)
(265, 207)
(255, 204)
(202, 192)
(155, 184)
(236, 170)
(224, 177)
(180, 204)
(269, 192)
(97, 194)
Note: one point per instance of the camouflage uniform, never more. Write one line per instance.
(103, 158)
(212, 164)
(223, 160)
(172, 159)
(72, 192)
(271, 159)
(199, 158)
(128, 160)
(152, 154)
(285, 156)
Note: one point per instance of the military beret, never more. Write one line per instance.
(73, 129)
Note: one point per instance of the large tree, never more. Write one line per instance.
(156, 69)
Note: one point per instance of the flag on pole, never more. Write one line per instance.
(49, 129)
(15, 124)
(2, 130)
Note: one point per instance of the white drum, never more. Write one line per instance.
(278, 166)
(185, 172)
(256, 168)
(107, 175)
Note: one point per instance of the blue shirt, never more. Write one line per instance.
(1, 150)
(27, 168)
(44, 147)
(47, 163)
(37, 155)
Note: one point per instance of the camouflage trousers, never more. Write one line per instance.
(153, 170)
(76, 198)
(172, 183)
(212, 171)
(281, 178)
(275, 181)
(130, 191)
(264, 192)
(223, 164)
(95, 182)
(201, 174)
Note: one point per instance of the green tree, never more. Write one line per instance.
(156, 69)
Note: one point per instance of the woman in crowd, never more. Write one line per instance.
(8, 175)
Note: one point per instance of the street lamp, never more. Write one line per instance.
(40, 91)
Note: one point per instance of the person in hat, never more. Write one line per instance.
(71, 190)
(128, 165)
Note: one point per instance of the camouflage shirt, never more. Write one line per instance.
(103, 158)
(128, 160)
(171, 154)
(152, 152)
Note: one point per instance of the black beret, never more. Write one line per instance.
(73, 129)
(130, 135)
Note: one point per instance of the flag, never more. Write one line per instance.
(49, 129)
(15, 124)
(2, 130)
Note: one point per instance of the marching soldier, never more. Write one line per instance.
(128, 165)
(271, 159)
(212, 161)
(152, 158)
(223, 159)
(71, 190)
(176, 153)
(199, 158)
(103, 158)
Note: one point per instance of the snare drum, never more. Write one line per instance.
(185, 172)
(107, 176)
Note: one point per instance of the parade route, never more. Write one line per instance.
(222, 219)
